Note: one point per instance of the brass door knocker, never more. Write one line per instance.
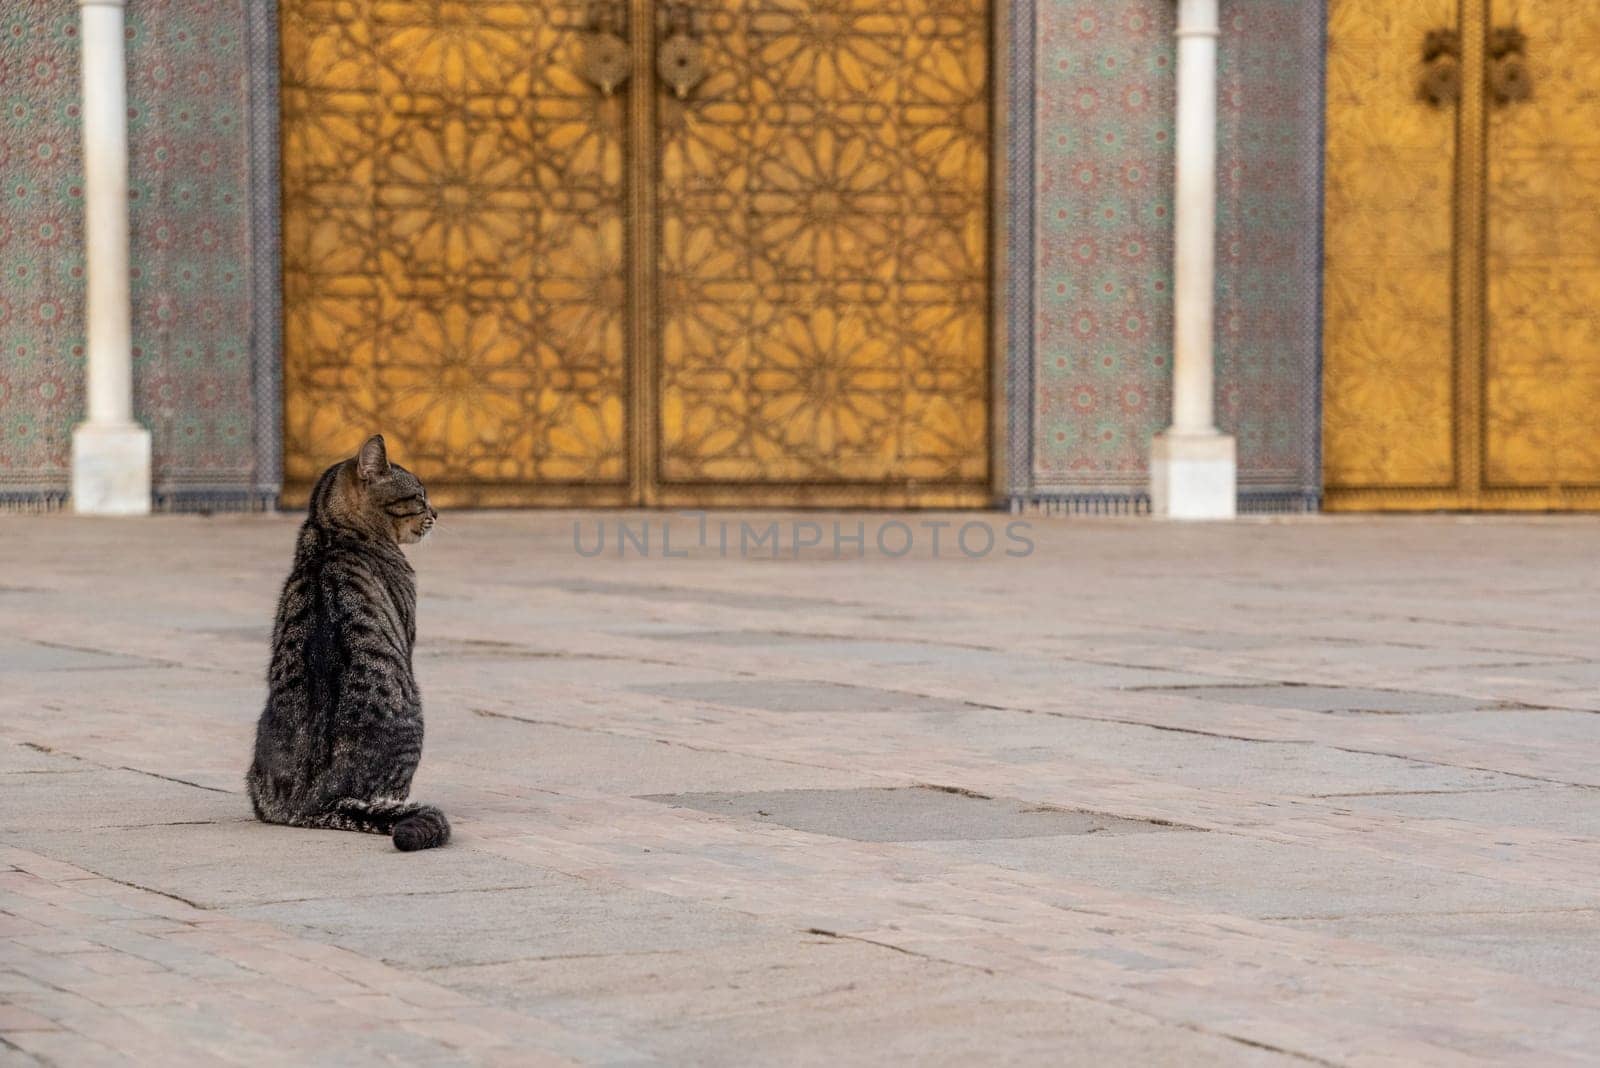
(1440, 85)
(603, 53)
(681, 60)
(1509, 82)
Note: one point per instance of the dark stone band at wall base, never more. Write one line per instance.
(1251, 502)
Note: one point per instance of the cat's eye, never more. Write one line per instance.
(407, 507)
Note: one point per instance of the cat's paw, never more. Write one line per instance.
(425, 829)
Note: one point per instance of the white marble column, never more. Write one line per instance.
(1193, 470)
(110, 452)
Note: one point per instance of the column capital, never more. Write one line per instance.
(102, 3)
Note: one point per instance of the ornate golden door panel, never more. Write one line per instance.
(756, 273)
(1462, 344)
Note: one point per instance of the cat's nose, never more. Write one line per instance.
(432, 513)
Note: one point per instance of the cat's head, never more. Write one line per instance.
(369, 492)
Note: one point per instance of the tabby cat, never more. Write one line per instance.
(341, 734)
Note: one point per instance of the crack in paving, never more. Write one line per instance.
(1184, 687)
(536, 958)
(709, 595)
(1323, 699)
(1432, 793)
(961, 791)
(149, 661)
(448, 891)
(1555, 910)
(174, 778)
(469, 648)
(40, 747)
(147, 889)
(842, 937)
(1427, 761)
(50, 771)
(169, 823)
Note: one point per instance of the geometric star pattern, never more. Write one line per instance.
(1542, 356)
(453, 246)
(1388, 324)
(1462, 359)
(456, 236)
(823, 284)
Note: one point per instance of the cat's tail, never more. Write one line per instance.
(414, 826)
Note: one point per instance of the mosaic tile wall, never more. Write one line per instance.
(41, 256)
(189, 191)
(1103, 250)
(1269, 249)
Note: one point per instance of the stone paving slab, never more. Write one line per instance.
(19, 758)
(1208, 970)
(20, 655)
(1275, 766)
(1557, 945)
(1345, 699)
(813, 999)
(574, 756)
(1289, 880)
(556, 917)
(1052, 775)
(946, 660)
(1566, 810)
(877, 814)
(1374, 851)
(222, 990)
(793, 695)
(74, 800)
(240, 862)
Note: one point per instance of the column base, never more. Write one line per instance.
(1193, 476)
(110, 469)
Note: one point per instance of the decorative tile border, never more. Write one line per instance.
(1018, 88)
(266, 248)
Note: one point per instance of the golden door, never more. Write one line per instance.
(1462, 285)
(637, 252)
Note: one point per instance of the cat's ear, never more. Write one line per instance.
(373, 459)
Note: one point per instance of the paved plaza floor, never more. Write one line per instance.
(1311, 790)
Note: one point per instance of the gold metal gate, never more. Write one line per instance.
(1462, 340)
(729, 253)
